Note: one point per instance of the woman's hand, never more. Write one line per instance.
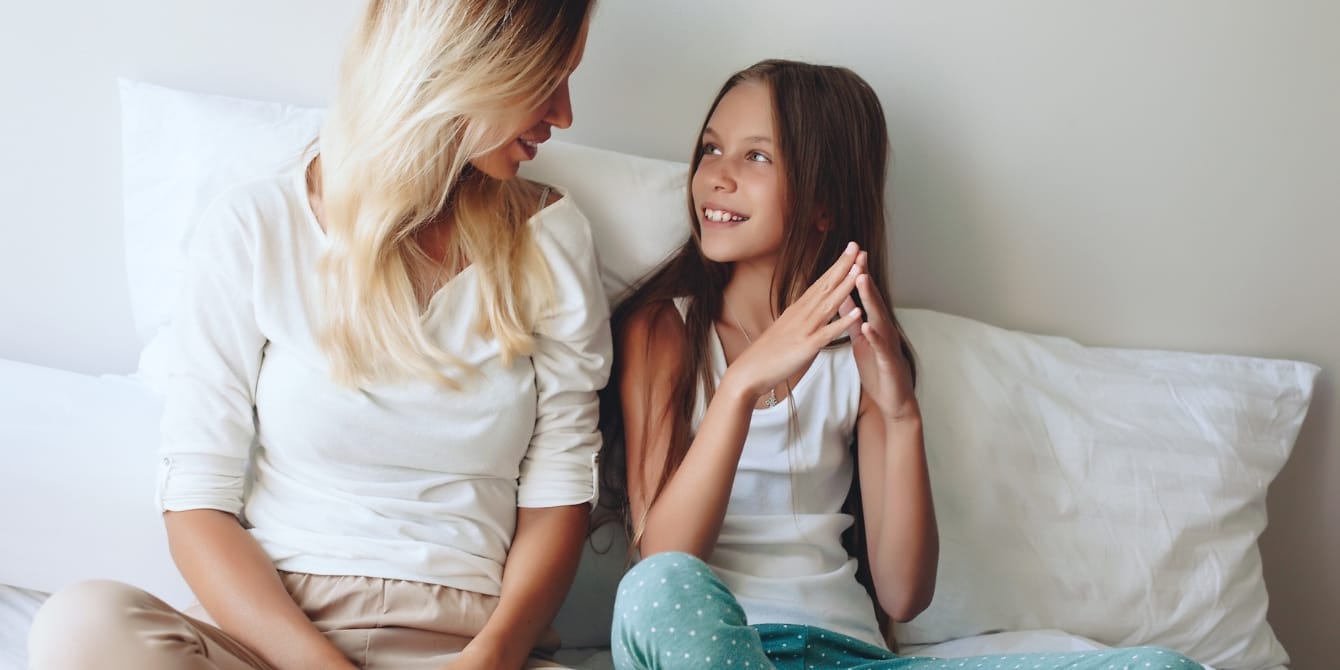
(476, 658)
(791, 342)
(886, 377)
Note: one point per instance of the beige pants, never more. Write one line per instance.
(377, 623)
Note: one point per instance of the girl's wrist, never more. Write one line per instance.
(736, 391)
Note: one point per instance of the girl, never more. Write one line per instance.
(413, 338)
(747, 368)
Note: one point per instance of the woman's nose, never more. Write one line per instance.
(559, 114)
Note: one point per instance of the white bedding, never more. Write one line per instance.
(18, 605)
(104, 524)
(78, 484)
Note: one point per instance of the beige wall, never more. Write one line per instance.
(1130, 173)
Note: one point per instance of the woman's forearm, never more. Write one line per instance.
(238, 586)
(541, 564)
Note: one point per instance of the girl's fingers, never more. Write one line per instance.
(876, 311)
(885, 351)
(837, 273)
(848, 305)
(842, 292)
(869, 332)
(849, 319)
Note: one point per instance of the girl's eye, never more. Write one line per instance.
(710, 150)
(757, 157)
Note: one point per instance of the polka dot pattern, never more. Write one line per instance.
(672, 613)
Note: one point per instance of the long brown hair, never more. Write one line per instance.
(833, 138)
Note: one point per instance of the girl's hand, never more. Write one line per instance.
(885, 375)
(792, 341)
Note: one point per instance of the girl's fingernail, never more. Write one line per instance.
(854, 270)
(855, 312)
(851, 247)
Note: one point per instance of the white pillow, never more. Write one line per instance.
(182, 149)
(78, 482)
(638, 206)
(1115, 494)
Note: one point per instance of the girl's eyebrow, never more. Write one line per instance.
(752, 139)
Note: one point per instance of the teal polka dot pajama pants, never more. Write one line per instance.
(672, 612)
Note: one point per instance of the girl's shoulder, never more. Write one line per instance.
(664, 316)
(656, 328)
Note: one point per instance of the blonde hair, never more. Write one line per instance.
(418, 82)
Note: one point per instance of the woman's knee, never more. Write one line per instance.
(80, 624)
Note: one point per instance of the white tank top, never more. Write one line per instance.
(780, 549)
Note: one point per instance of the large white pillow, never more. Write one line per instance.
(638, 206)
(78, 482)
(1115, 494)
(179, 151)
(182, 149)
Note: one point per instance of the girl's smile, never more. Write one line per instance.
(719, 216)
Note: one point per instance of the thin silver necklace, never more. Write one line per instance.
(771, 400)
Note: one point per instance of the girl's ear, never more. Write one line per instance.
(824, 222)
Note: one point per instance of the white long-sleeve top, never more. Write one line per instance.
(408, 480)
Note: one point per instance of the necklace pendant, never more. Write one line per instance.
(772, 398)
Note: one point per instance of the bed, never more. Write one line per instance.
(1087, 496)
(108, 424)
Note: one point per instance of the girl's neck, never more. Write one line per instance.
(748, 295)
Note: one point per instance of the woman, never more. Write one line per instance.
(412, 338)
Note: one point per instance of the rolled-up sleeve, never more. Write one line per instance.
(215, 349)
(572, 362)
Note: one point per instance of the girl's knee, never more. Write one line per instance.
(652, 588)
(668, 563)
(667, 577)
(79, 623)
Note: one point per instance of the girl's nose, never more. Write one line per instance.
(719, 176)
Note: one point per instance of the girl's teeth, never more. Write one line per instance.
(722, 216)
